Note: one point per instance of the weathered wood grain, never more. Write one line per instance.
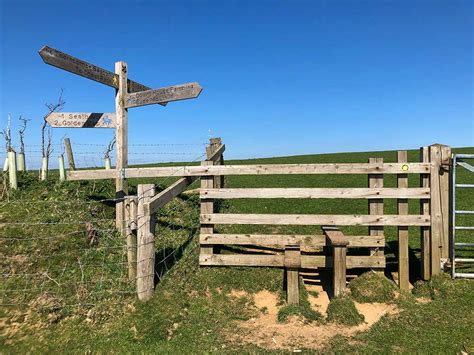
(435, 210)
(307, 261)
(82, 120)
(403, 251)
(307, 219)
(425, 210)
(77, 66)
(165, 196)
(355, 193)
(270, 169)
(167, 94)
(269, 240)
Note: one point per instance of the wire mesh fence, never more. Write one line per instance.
(60, 250)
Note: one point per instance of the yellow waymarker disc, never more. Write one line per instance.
(405, 167)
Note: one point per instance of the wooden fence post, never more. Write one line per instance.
(376, 207)
(214, 143)
(403, 239)
(70, 155)
(131, 231)
(121, 186)
(425, 210)
(62, 171)
(435, 210)
(292, 266)
(145, 244)
(444, 181)
(12, 174)
(207, 207)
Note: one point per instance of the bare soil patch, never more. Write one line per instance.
(265, 331)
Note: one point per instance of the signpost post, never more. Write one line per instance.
(128, 94)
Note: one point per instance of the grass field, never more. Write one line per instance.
(65, 295)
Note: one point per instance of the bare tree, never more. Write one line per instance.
(21, 131)
(46, 135)
(109, 149)
(7, 135)
(52, 107)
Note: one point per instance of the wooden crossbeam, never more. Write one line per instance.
(411, 193)
(307, 261)
(215, 156)
(169, 193)
(308, 219)
(267, 169)
(275, 240)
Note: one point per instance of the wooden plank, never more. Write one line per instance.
(376, 205)
(292, 262)
(343, 193)
(307, 261)
(281, 240)
(82, 120)
(121, 135)
(444, 182)
(335, 236)
(403, 252)
(70, 155)
(207, 206)
(270, 169)
(145, 244)
(425, 210)
(308, 219)
(435, 210)
(77, 66)
(166, 94)
(169, 193)
(339, 270)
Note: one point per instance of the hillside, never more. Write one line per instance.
(64, 291)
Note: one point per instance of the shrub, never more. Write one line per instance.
(372, 287)
(342, 310)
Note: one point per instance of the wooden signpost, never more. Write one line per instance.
(128, 94)
(82, 120)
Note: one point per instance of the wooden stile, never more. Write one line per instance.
(207, 206)
(121, 186)
(425, 210)
(145, 244)
(403, 252)
(376, 205)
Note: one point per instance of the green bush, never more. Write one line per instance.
(372, 287)
(342, 310)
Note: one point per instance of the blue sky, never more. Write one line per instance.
(279, 77)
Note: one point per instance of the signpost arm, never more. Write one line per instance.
(121, 186)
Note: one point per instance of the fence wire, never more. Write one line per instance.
(60, 251)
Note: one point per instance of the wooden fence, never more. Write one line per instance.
(297, 250)
(433, 218)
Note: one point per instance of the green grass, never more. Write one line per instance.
(372, 287)
(78, 298)
(342, 310)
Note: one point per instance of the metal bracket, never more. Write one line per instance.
(122, 173)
